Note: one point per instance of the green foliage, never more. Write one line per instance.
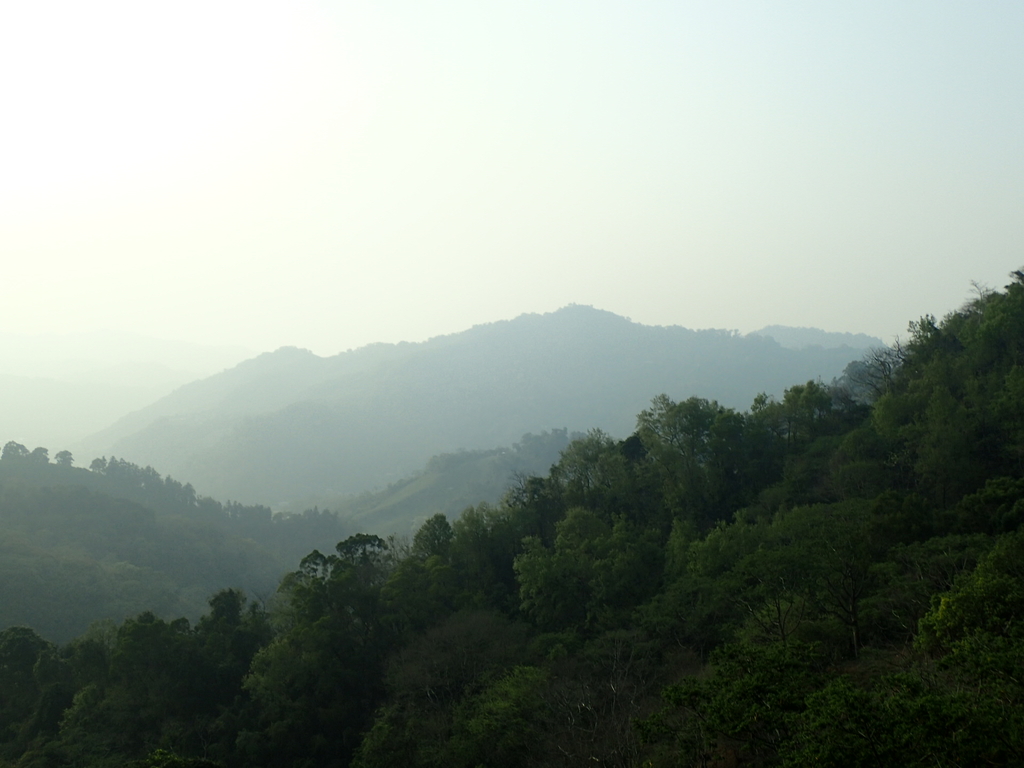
(908, 578)
(500, 726)
(953, 412)
(485, 543)
(30, 687)
(316, 685)
(901, 721)
(165, 684)
(698, 449)
(434, 538)
(985, 604)
(77, 546)
(754, 699)
(853, 576)
(998, 507)
(14, 451)
(593, 577)
(802, 574)
(431, 678)
(118, 693)
(163, 759)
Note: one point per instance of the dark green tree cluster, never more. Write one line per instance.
(834, 578)
(123, 692)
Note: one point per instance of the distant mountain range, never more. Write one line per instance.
(56, 389)
(802, 338)
(289, 424)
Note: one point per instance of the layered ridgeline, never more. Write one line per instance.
(823, 579)
(57, 389)
(289, 424)
(82, 545)
(447, 484)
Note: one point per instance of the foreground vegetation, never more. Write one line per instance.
(834, 578)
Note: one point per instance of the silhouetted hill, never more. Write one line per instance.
(289, 424)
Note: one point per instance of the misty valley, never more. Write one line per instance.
(560, 540)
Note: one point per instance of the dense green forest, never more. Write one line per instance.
(834, 577)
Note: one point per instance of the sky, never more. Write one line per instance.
(331, 174)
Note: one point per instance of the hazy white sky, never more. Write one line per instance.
(328, 174)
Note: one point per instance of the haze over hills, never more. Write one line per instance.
(801, 338)
(56, 389)
(288, 424)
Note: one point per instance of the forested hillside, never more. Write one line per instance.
(288, 424)
(78, 545)
(448, 483)
(832, 577)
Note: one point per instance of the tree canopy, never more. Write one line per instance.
(834, 577)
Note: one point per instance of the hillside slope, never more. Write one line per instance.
(288, 424)
(57, 389)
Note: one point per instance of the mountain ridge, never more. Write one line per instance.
(288, 423)
(794, 337)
